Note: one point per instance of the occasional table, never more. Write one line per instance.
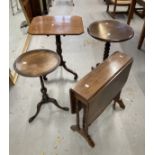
(95, 91)
(37, 63)
(110, 31)
(58, 26)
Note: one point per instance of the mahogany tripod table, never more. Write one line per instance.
(37, 63)
(57, 25)
(110, 31)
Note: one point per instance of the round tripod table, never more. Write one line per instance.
(38, 63)
(110, 31)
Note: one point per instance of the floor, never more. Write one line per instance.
(119, 132)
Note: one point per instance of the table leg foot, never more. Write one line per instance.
(69, 70)
(118, 100)
(37, 112)
(45, 101)
(63, 63)
(83, 134)
(121, 104)
(54, 101)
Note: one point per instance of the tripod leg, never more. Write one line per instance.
(38, 110)
(44, 99)
(59, 51)
(54, 101)
(69, 70)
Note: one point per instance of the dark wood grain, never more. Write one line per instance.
(94, 92)
(88, 86)
(26, 6)
(110, 30)
(56, 25)
(36, 63)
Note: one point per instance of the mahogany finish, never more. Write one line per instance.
(57, 25)
(33, 8)
(110, 31)
(38, 63)
(97, 89)
(26, 7)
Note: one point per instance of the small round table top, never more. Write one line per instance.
(110, 30)
(36, 63)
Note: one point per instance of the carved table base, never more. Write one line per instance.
(83, 131)
(62, 63)
(45, 99)
(83, 134)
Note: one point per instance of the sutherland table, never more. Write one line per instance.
(94, 92)
(110, 31)
(57, 25)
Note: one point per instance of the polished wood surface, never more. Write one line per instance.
(110, 30)
(36, 63)
(97, 90)
(26, 7)
(88, 86)
(56, 25)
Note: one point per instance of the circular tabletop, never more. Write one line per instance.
(110, 31)
(36, 63)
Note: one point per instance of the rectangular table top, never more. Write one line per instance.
(98, 78)
(56, 25)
